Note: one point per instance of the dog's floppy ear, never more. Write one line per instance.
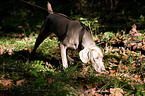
(84, 55)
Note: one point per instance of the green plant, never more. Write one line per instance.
(108, 35)
(93, 24)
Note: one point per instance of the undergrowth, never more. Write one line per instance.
(44, 75)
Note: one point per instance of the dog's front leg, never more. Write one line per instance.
(63, 55)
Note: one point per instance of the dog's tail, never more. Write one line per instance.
(50, 11)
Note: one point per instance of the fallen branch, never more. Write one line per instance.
(100, 91)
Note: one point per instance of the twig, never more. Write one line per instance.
(34, 5)
(105, 85)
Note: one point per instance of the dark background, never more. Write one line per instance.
(113, 15)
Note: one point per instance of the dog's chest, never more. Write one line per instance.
(72, 35)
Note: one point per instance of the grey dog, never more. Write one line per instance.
(71, 34)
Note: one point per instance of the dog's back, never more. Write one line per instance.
(57, 23)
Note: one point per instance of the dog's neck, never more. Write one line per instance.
(87, 41)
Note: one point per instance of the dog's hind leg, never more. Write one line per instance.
(44, 33)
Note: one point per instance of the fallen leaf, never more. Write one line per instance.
(116, 92)
(7, 43)
(10, 52)
(20, 82)
(6, 83)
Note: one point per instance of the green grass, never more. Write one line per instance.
(44, 75)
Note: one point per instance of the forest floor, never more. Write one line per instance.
(124, 60)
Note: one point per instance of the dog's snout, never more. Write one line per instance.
(103, 68)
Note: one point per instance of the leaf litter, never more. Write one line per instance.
(124, 59)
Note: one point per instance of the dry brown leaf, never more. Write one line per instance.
(7, 43)
(1, 50)
(6, 83)
(20, 82)
(10, 52)
(116, 92)
(125, 57)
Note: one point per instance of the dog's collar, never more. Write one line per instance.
(81, 37)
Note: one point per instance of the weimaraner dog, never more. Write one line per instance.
(71, 34)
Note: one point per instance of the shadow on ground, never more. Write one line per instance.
(24, 56)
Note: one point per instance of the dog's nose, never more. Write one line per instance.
(103, 68)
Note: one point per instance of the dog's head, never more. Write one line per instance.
(93, 54)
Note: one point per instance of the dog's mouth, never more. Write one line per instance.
(98, 65)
